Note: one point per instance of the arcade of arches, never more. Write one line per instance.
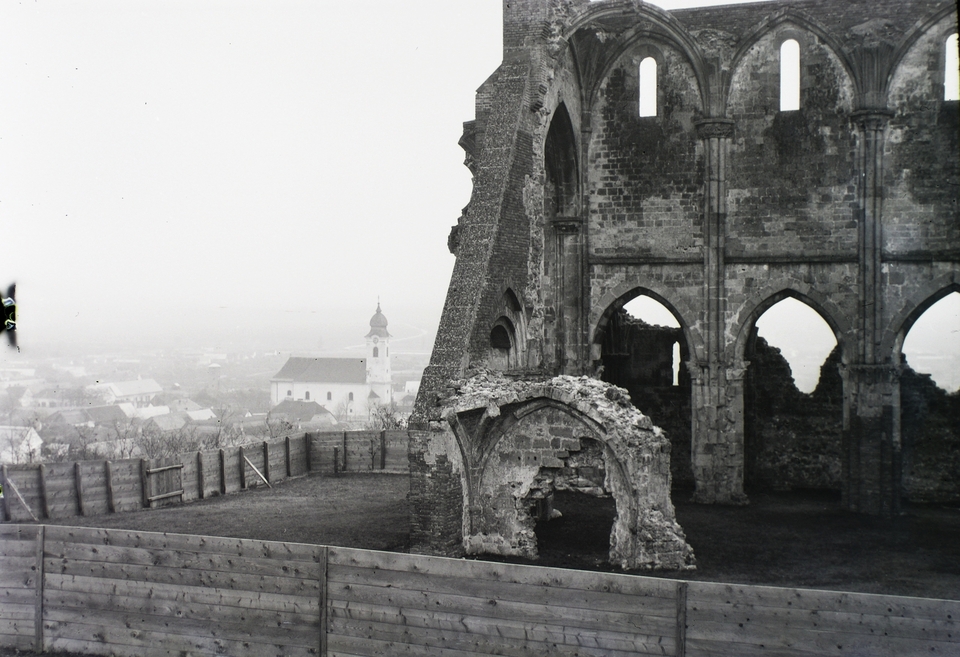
(717, 202)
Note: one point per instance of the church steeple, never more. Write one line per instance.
(378, 357)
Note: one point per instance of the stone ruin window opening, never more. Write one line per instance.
(930, 403)
(648, 87)
(789, 75)
(951, 69)
(792, 400)
(574, 509)
(562, 179)
(932, 345)
(644, 349)
(503, 340)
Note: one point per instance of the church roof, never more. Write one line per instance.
(378, 325)
(323, 370)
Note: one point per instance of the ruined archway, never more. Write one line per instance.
(647, 355)
(522, 440)
(928, 353)
(793, 424)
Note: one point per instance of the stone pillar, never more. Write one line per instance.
(871, 441)
(717, 452)
(871, 450)
(436, 494)
(568, 286)
(717, 408)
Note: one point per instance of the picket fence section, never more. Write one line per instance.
(116, 592)
(62, 490)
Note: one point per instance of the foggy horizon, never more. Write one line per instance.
(206, 174)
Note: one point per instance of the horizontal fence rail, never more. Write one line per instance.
(62, 490)
(117, 592)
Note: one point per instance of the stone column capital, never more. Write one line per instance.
(874, 119)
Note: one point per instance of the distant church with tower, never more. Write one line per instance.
(347, 387)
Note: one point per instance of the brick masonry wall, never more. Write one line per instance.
(922, 151)
(792, 187)
(645, 174)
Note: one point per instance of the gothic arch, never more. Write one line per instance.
(561, 194)
(667, 31)
(915, 305)
(921, 29)
(616, 299)
(802, 23)
(766, 299)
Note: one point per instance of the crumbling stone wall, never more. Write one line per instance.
(522, 439)
(718, 207)
(793, 440)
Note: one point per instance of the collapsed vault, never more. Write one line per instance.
(512, 442)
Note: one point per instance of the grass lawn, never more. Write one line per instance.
(780, 539)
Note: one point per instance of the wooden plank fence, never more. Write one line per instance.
(63, 490)
(117, 592)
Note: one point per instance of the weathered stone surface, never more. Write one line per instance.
(559, 433)
(719, 207)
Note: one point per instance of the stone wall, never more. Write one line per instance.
(521, 439)
(719, 207)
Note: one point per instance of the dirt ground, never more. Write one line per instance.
(779, 539)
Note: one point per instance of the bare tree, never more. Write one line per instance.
(386, 418)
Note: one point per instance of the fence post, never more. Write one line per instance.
(336, 460)
(243, 470)
(383, 450)
(145, 483)
(223, 472)
(307, 442)
(108, 473)
(78, 480)
(266, 461)
(44, 503)
(200, 482)
(325, 557)
(681, 636)
(38, 605)
(286, 455)
(344, 468)
(3, 500)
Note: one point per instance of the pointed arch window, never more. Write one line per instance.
(789, 75)
(376, 352)
(951, 71)
(648, 87)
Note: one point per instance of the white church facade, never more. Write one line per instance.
(347, 387)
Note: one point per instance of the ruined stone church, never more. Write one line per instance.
(717, 160)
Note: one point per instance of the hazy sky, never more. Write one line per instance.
(219, 171)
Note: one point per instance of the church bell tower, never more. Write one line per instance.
(378, 359)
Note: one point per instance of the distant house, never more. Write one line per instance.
(139, 392)
(347, 387)
(303, 414)
(200, 415)
(19, 445)
(106, 415)
(76, 417)
(164, 423)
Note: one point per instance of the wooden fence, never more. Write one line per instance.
(62, 490)
(132, 593)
